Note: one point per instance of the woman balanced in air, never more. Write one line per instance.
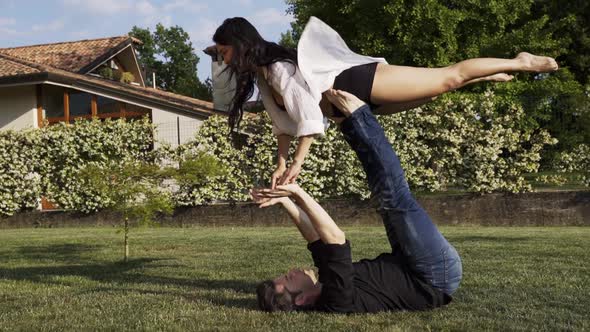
(292, 82)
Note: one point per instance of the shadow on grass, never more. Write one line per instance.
(213, 298)
(59, 252)
(121, 273)
(495, 239)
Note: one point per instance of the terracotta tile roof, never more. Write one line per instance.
(12, 68)
(70, 56)
(76, 80)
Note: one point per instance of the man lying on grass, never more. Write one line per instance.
(422, 271)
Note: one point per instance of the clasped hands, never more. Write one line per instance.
(281, 194)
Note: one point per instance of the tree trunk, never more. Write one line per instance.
(126, 258)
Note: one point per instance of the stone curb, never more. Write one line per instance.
(561, 208)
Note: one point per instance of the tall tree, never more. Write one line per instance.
(570, 21)
(432, 32)
(170, 54)
(435, 33)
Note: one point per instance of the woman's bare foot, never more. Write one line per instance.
(536, 63)
(501, 77)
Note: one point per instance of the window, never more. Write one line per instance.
(53, 103)
(80, 104)
(61, 105)
(135, 111)
(107, 108)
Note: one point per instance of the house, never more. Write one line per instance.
(58, 82)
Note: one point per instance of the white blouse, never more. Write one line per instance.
(321, 55)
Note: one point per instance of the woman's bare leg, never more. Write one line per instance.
(502, 77)
(393, 108)
(399, 84)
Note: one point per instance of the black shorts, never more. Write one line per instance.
(358, 80)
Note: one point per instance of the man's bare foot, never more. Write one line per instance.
(536, 63)
(344, 101)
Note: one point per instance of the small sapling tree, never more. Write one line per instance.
(138, 190)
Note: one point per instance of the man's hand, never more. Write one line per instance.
(265, 201)
(267, 197)
(344, 101)
(288, 190)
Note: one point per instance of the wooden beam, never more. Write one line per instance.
(116, 115)
(123, 109)
(87, 116)
(120, 65)
(56, 120)
(93, 107)
(67, 106)
(39, 106)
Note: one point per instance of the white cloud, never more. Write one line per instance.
(99, 6)
(203, 32)
(165, 20)
(52, 26)
(245, 3)
(81, 34)
(270, 16)
(145, 8)
(4, 32)
(185, 6)
(7, 21)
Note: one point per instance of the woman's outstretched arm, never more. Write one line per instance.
(303, 145)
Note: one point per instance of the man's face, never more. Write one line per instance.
(295, 281)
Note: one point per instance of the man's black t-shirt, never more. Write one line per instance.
(385, 283)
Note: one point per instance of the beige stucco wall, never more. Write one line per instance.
(18, 107)
(167, 125)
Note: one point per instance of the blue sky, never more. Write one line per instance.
(28, 22)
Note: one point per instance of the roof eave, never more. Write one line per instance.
(25, 78)
(156, 102)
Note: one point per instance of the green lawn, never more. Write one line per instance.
(529, 279)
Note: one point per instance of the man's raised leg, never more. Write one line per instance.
(406, 223)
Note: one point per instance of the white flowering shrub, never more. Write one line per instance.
(468, 141)
(576, 161)
(20, 185)
(331, 168)
(473, 142)
(65, 150)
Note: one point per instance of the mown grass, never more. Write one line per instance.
(203, 278)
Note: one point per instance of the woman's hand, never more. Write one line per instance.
(277, 175)
(291, 174)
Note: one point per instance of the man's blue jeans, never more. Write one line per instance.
(409, 228)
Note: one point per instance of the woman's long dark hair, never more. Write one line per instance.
(250, 51)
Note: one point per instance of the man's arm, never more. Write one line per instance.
(327, 229)
(323, 224)
(299, 218)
